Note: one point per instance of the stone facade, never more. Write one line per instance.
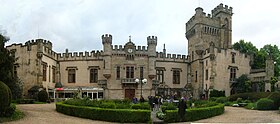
(111, 72)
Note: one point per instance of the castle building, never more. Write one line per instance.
(125, 71)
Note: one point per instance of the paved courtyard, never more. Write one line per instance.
(46, 114)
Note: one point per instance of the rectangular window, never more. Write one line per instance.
(176, 76)
(195, 76)
(232, 58)
(53, 74)
(15, 70)
(45, 71)
(129, 72)
(118, 72)
(160, 75)
(49, 73)
(141, 72)
(232, 74)
(71, 75)
(206, 74)
(93, 75)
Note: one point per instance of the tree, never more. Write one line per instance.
(275, 54)
(245, 47)
(273, 81)
(7, 61)
(242, 84)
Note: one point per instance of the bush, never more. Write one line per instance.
(104, 114)
(276, 99)
(123, 106)
(221, 100)
(25, 101)
(254, 96)
(194, 114)
(110, 105)
(217, 93)
(10, 110)
(43, 96)
(265, 104)
(5, 98)
(168, 106)
(135, 106)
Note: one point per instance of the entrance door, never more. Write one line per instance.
(129, 93)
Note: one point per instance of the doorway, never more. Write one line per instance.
(129, 93)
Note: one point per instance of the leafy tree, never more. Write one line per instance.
(7, 61)
(275, 54)
(273, 81)
(242, 84)
(245, 47)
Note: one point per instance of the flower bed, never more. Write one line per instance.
(194, 114)
(105, 114)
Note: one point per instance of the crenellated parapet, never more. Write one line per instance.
(107, 39)
(172, 57)
(80, 55)
(222, 9)
(152, 40)
(50, 53)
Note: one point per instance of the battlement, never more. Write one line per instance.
(152, 40)
(172, 57)
(79, 55)
(107, 38)
(221, 8)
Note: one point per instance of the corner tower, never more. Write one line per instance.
(152, 44)
(107, 48)
(203, 29)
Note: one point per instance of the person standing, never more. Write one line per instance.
(142, 100)
(182, 108)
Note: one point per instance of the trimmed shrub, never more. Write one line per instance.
(194, 114)
(217, 93)
(10, 110)
(104, 114)
(43, 96)
(168, 106)
(110, 105)
(221, 100)
(265, 104)
(25, 101)
(135, 106)
(254, 96)
(276, 99)
(123, 106)
(5, 98)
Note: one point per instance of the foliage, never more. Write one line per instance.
(160, 115)
(251, 106)
(110, 105)
(275, 96)
(273, 81)
(43, 96)
(274, 52)
(221, 100)
(15, 116)
(265, 104)
(245, 47)
(204, 103)
(24, 101)
(144, 106)
(104, 114)
(254, 96)
(217, 93)
(168, 106)
(194, 114)
(5, 98)
(242, 85)
(7, 62)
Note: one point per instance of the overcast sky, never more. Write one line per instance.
(79, 24)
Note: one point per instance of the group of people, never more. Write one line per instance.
(156, 101)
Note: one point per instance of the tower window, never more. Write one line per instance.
(195, 76)
(232, 74)
(160, 75)
(232, 57)
(53, 74)
(176, 76)
(45, 65)
(71, 75)
(141, 72)
(129, 72)
(93, 75)
(118, 72)
(206, 74)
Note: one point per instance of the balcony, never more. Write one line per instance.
(128, 81)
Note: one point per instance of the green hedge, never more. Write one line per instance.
(265, 104)
(104, 114)
(254, 96)
(194, 114)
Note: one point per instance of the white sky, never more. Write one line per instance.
(79, 24)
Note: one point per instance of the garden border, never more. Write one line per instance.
(105, 114)
(195, 113)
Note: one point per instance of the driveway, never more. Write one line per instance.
(46, 114)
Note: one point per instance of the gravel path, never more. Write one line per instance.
(46, 114)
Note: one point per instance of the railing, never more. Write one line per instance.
(128, 81)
